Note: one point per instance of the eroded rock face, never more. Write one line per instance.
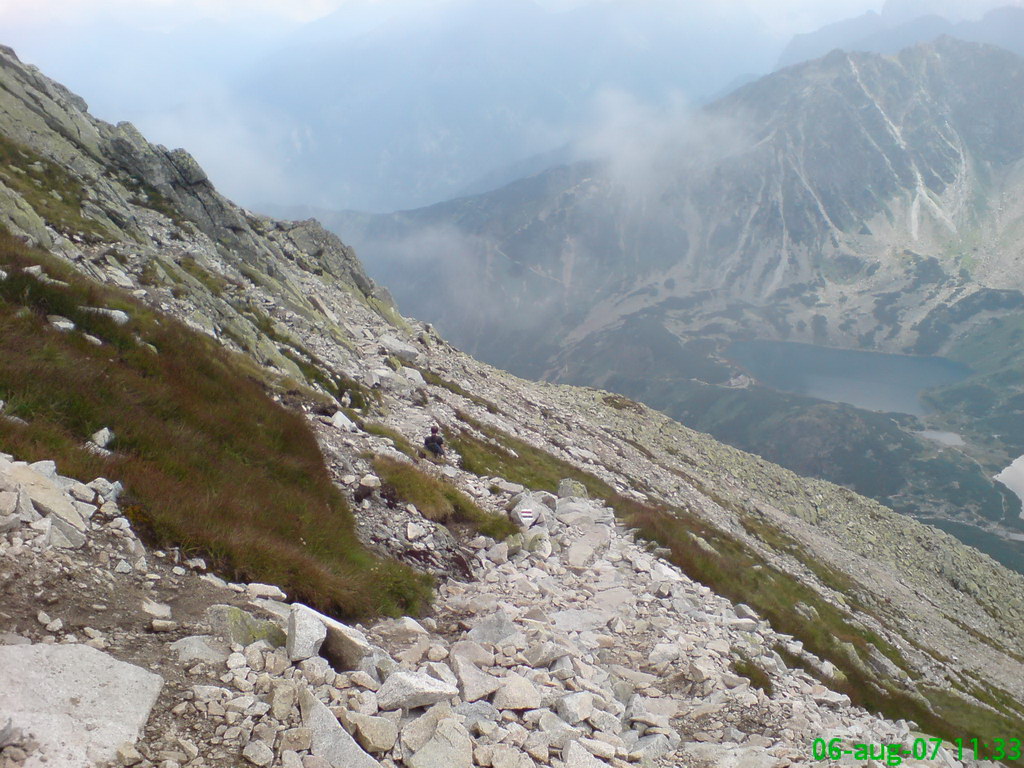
(79, 704)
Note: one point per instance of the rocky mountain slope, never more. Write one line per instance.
(763, 225)
(858, 201)
(716, 608)
(894, 29)
(513, 668)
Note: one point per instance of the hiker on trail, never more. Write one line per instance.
(434, 442)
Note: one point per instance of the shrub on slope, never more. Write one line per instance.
(208, 459)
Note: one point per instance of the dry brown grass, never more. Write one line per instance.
(210, 462)
(439, 501)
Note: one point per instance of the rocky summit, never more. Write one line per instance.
(610, 588)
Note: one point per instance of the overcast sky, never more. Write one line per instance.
(787, 16)
(264, 103)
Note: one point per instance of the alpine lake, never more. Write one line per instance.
(871, 380)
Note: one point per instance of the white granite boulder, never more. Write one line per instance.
(79, 703)
(408, 690)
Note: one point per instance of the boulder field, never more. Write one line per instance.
(572, 645)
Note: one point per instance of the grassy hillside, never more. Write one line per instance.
(735, 570)
(208, 459)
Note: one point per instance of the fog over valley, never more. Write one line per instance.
(386, 105)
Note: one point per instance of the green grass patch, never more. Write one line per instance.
(315, 372)
(396, 437)
(639, 448)
(986, 639)
(738, 574)
(505, 456)
(209, 461)
(964, 719)
(439, 501)
(830, 577)
(432, 378)
(758, 678)
(54, 194)
(387, 311)
(214, 283)
(622, 403)
(312, 367)
(799, 662)
(150, 197)
(151, 273)
(1000, 700)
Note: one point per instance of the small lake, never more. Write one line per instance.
(871, 380)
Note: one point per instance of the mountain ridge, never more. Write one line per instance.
(858, 201)
(881, 34)
(886, 601)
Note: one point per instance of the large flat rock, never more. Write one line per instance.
(580, 620)
(345, 647)
(79, 703)
(50, 501)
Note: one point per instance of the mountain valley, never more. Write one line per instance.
(214, 511)
(859, 202)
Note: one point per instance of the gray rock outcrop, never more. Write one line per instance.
(79, 704)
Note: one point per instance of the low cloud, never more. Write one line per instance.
(236, 149)
(455, 279)
(649, 149)
(165, 13)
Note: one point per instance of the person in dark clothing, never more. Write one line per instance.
(434, 442)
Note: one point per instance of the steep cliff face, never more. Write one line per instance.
(902, 618)
(73, 184)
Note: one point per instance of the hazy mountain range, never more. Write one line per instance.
(858, 201)
(422, 106)
(900, 25)
(801, 192)
(387, 105)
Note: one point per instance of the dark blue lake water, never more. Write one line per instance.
(1009, 553)
(871, 380)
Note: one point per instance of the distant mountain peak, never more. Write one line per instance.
(906, 23)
